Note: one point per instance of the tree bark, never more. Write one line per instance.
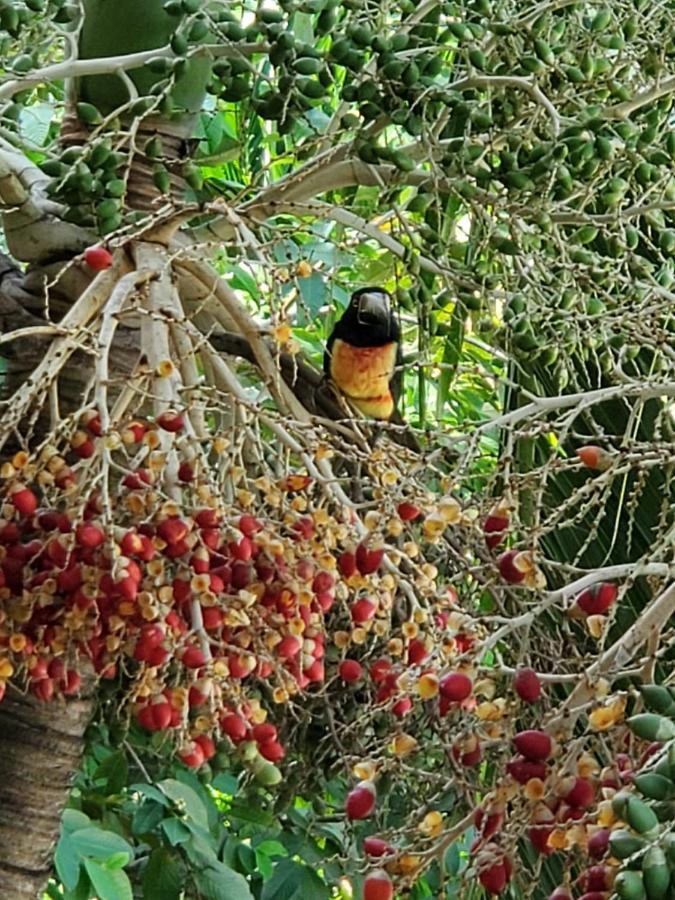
(40, 748)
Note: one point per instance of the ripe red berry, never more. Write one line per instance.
(596, 600)
(89, 535)
(508, 569)
(350, 670)
(98, 258)
(234, 727)
(522, 770)
(527, 685)
(598, 843)
(408, 512)
(580, 793)
(561, 893)
(193, 657)
(192, 755)
(207, 746)
(455, 686)
(378, 886)
(347, 564)
(360, 801)
(363, 610)
(367, 560)
(24, 501)
(493, 877)
(171, 421)
(594, 457)
(375, 846)
(534, 745)
(495, 526)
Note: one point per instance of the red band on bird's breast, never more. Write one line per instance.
(363, 375)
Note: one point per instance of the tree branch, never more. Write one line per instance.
(645, 98)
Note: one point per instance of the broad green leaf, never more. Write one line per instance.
(151, 792)
(187, 800)
(74, 819)
(99, 844)
(176, 831)
(109, 884)
(218, 882)
(226, 783)
(113, 771)
(147, 817)
(163, 876)
(67, 861)
(292, 881)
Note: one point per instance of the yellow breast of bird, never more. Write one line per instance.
(363, 375)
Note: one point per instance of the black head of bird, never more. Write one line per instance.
(363, 353)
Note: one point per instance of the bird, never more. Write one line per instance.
(363, 356)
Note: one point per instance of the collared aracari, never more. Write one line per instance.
(363, 356)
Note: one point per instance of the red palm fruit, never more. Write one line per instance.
(598, 843)
(596, 878)
(288, 647)
(522, 770)
(43, 689)
(92, 422)
(561, 893)
(402, 707)
(98, 258)
(533, 745)
(508, 567)
(363, 610)
(527, 685)
(161, 714)
(495, 526)
(24, 501)
(234, 727)
(350, 670)
(408, 512)
(207, 518)
(193, 657)
(539, 835)
(83, 447)
(360, 801)
(264, 732)
(171, 421)
(132, 544)
(186, 472)
(594, 457)
(272, 751)
(89, 535)
(380, 670)
(368, 560)
(467, 751)
(378, 886)
(488, 823)
(240, 666)
(72, 683)
(417, 652)
(192, 755)
(316, 671)
(376, 846)
(455, 686)
(346, 564)
(173, 530)
(207, 746)
(596, 600)
(579, 793)
(493, 876)
(249, 525)
(136, 480)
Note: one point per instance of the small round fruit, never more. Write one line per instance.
(378, 886)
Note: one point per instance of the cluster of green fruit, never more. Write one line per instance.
(646, 842)
(87, 180)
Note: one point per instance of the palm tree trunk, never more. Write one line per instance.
(40, 748)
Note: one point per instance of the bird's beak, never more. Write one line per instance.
(374, 306)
